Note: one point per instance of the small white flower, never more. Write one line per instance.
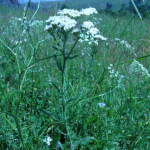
(47, 140)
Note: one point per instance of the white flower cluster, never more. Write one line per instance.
(47, 140)
(112, 72)
(124, 43)
(88, 11)
(137, 67)
(61, 22)
(87, 24)
(75, 13)
(87, 32)
(69, 12)
(91, 35)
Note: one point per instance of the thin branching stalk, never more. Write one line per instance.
(136, 9)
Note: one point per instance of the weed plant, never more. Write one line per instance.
(58, 92)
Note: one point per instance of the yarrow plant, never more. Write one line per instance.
(124, 43)
(137, 68)
(62, 27)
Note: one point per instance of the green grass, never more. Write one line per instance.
(36, 109)
(79, 4)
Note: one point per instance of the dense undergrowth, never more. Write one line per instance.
(101, 102)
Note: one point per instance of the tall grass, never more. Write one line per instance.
(31, 92)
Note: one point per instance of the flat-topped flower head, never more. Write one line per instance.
(88, 11)
(61, 22)
(87, 24)
(69, 12)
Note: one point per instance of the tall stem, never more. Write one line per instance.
(63, 74)
(63, 83)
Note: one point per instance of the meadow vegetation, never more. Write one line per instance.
(61, 91)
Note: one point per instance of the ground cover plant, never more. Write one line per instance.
(76, 80)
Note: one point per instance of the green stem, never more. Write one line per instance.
(25, 73)
(136, 9)
(63, 73)
(63, 82)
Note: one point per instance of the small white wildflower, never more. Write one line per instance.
(47, 140)
(88, 11)
(102, 105)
